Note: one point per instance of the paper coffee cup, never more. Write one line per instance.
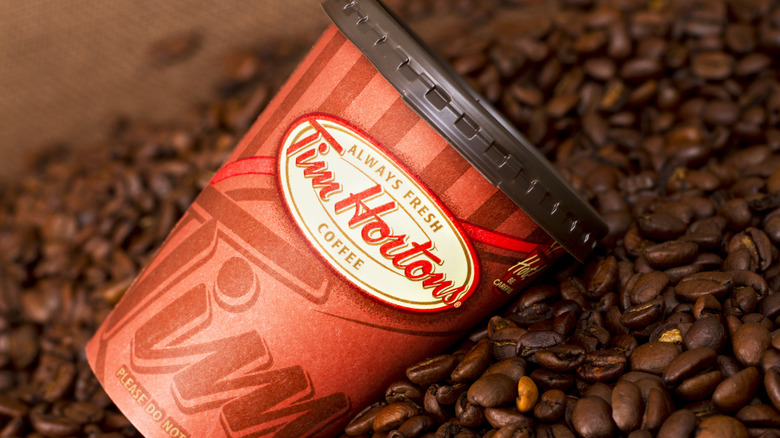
(356, 229)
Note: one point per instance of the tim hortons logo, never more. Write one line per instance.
(372, 220)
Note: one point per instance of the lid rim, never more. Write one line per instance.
(473, 127)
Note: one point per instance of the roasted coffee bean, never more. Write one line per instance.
(627, 406)
(728, 365)
(592, 418)
(448, 394)
(772, 385)
(432, 406)
(414, 426)
(769, 306)
(403, 390)
(453, 428)
(648, 286)
(760, 415)
(657, 408)
(492, 390)
(431, 370)
(693, 286)
(514, 368)
(500, 417)
(48, 424)
(603, 279)
(551, 406)
(689, 363)
(474, 362)
(673, 331)
(546, 379)
(706, 305)
(564, 323)
(505, 341)
(653, 357)
(527, 315)
(393, 415)
(602, 365)
(705, 332)
(681, 423)
(700, 386)
(624, 343)
(735, 391)
(721, 426)
(642, 315)
(531, 342)
(468, 414)
(527, 394)
(560, 358)
(661, 226)
(672, 253)
(749, 342)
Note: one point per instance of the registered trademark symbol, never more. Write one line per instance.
(456, 305)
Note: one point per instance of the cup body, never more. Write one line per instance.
(342, 241)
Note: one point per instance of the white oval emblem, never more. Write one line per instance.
(373, 221)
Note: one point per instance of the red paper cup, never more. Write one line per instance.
(355, 230)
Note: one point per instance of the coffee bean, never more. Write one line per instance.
(492, 390)
(551, 406)
(501, 417)
(449, 394)
(468, 414)
(735, 391)
(592, 418)
(642, 315)
(403, 390)
(681, 423)
(769, 306)
(393, 415)
(546, 379)
(661, 226)
(700, 386)
(653, 357)
(721, 426)
(672, 253)
(657, 408)
(432, 406)
(688, 363)
(627, 406)
(772, 385)
(602, 365)
(749, 343)
(505, 342)
(527, 394)
(712, 65)
(474, 362)
(514, 368)
(705, 332)
(531, 342)
(760, 415)
(648, 286)
(415, 426)
(431, 370)
(693, 286)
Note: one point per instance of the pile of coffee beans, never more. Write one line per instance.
(666, 115)
(79, 223)
(663, 113)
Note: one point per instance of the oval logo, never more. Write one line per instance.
(371, 219)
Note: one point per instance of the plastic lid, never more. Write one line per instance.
(477, 130)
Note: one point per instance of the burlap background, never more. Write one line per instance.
(67, 67)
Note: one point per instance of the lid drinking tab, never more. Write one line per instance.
(470, 124)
